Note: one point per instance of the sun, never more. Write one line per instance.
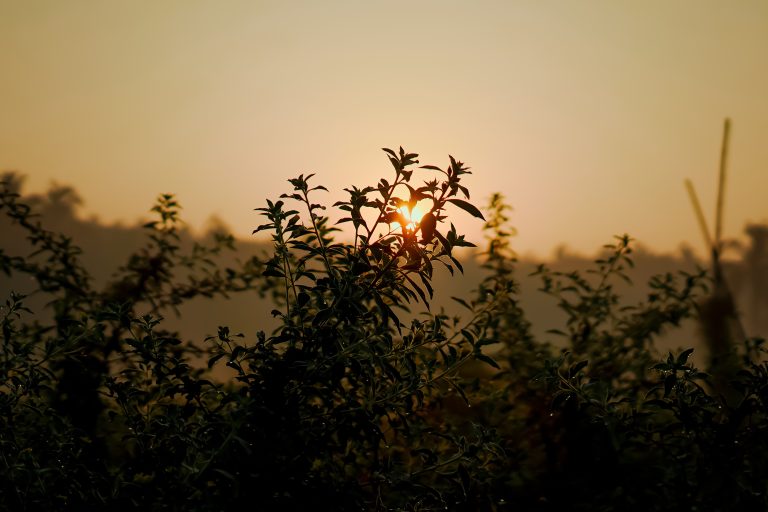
(413, 215)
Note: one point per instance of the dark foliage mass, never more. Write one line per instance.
(351, 403)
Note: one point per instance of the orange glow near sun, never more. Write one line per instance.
(413, 215)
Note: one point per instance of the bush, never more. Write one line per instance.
(354, 402)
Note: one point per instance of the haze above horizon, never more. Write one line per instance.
(587, 116)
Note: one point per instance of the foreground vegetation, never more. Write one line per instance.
(351, 403)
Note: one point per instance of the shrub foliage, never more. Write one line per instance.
(362, 398)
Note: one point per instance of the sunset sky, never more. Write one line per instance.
(586, 115)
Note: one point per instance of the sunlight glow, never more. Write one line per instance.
(413, 216)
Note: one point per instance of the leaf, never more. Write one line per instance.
(462, 302)
(416, 195)
(484, 358)
(418, 290)
(461, 393)
(669, 382)
(212, 360)
(683, 357)
(360, 267)
(427, 224)
(457, 263)
(389, 152)
(445, 243)
(321, 316)
(272, 272)
(576, 367)
(467, 207)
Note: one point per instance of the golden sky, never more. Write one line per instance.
(587, 115)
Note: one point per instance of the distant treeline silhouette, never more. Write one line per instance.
(104, 246)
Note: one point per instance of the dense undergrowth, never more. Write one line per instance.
(348, 405)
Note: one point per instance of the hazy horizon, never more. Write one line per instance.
(587, 117)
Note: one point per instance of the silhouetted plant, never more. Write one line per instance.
(362, 398)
